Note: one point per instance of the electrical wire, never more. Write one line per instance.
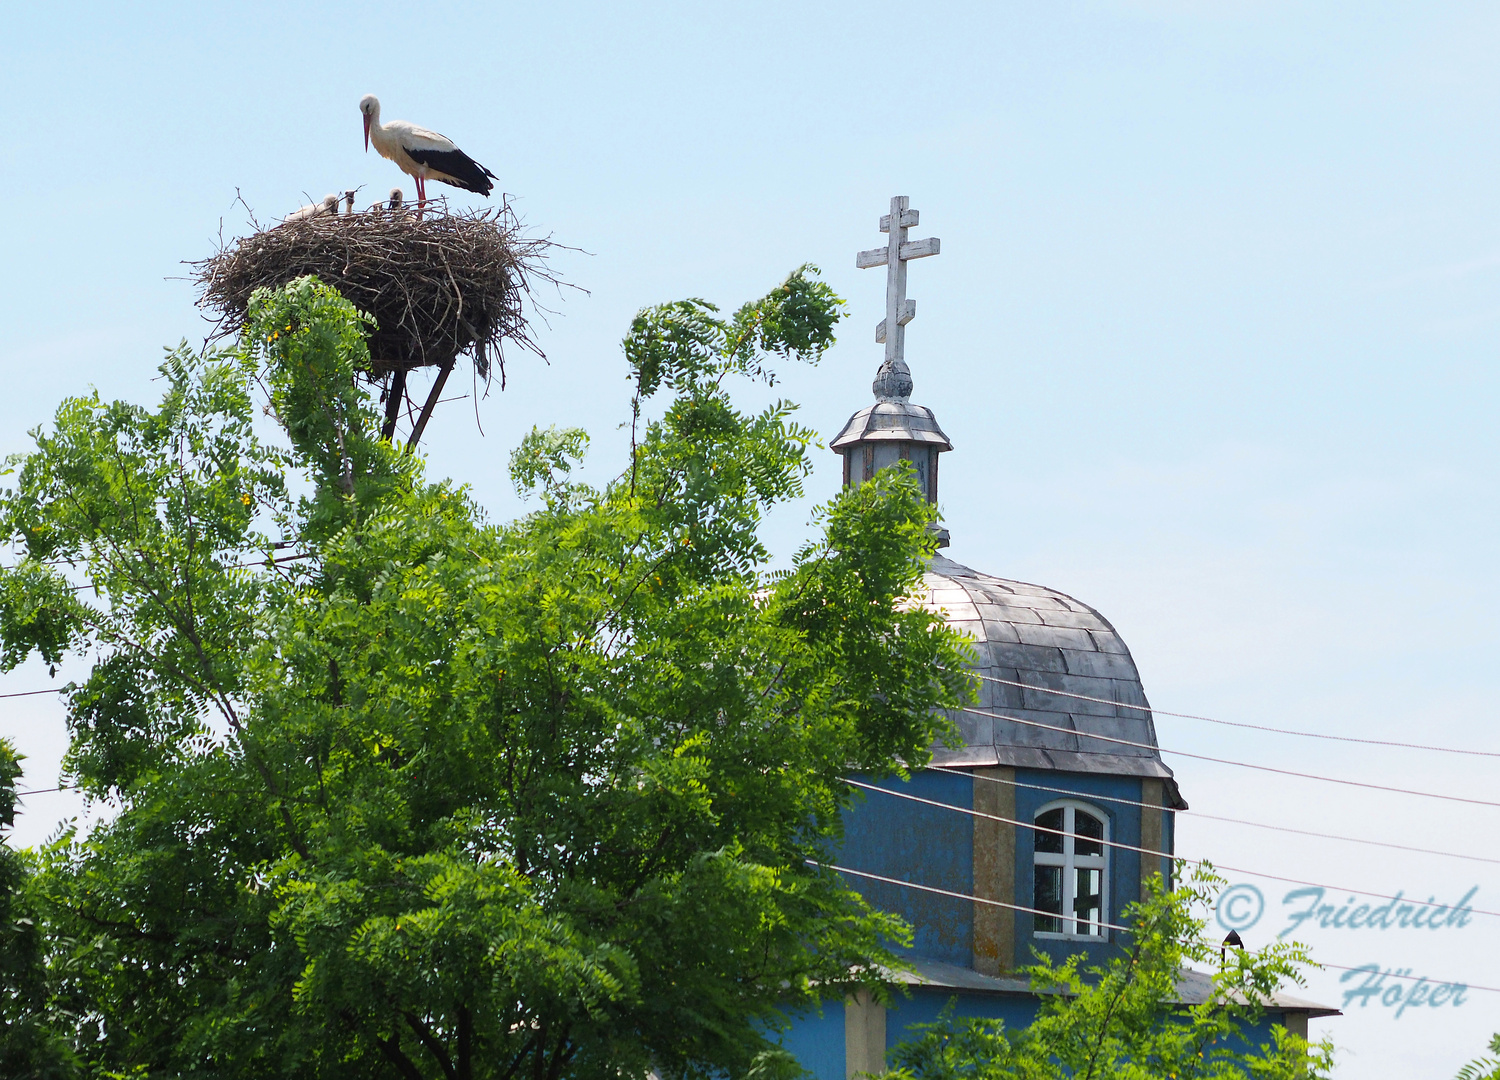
(1148, 711)
(257, 562)
(1051, 914)
(1107, 926)
(1159, 854)
(1098, 798)
(960, 896)
(1228, 761)
(953, 771)
(274, 560)
(275, 545)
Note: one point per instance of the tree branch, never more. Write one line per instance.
(519, 1059)
(465, 1043)
(391, 1048)
(428, 1038)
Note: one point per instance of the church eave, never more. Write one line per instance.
(1064, 761)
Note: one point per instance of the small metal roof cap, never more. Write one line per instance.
(892, 421)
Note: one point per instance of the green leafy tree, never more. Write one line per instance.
(1123, 1020)
(31, 1041)
(1485, 1068)
(397, 791)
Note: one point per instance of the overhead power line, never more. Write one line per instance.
(272, 561)
(1148, 710)
(1101, 798)
(1158, 854)
(957, 895)
(1229, 761)
(276, 545)
(954, 771)
(1107, 926)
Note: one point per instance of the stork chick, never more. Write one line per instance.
(328, 204)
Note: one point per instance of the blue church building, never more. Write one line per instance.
(1062, 739)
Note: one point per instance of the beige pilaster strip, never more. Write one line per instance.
(864, 1035)
(1153, 829)
(994, 871)
(1296, 1023)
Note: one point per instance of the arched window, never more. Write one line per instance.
(1071, 872)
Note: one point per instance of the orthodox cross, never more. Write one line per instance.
(893, 382)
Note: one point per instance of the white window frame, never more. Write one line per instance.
(1071, 863)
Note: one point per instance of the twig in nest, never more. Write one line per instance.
(447, 285)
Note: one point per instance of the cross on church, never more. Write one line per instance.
(894, 379)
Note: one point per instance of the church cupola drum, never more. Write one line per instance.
(893, 429)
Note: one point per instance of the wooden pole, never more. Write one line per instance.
(393, 396)
(432, 400)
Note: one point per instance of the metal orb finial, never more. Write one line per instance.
(892, 382)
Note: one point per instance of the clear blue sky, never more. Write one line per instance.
(1213, 330)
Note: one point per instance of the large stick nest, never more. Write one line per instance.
(444, 285)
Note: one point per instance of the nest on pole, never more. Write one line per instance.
(438, 287)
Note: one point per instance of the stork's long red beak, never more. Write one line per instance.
(367, 134)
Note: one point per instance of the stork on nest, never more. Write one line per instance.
(447, 285)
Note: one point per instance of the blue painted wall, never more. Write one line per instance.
(933, 846)
(817, 1040)
(924, 1006)
(924, 844)
(929, 845)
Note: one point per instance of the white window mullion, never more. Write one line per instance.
(1064, 870)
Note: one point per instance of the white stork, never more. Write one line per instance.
(423, 154)
(328, 204)
(396, 198)
(348, 202)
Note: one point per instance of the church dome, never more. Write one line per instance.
(1046, 641)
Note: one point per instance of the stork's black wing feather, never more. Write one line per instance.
(466, 173)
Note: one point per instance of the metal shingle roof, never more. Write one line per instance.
(1031, 634)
